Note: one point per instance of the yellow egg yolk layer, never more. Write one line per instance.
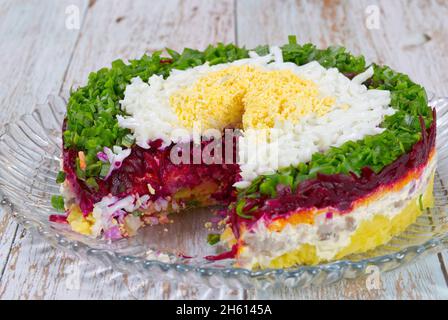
(248, 97)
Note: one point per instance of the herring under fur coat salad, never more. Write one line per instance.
(354, 150)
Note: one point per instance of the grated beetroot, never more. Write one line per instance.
(225, 255)
(151, 166)
(58, 218)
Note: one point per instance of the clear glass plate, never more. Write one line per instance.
(30, 150)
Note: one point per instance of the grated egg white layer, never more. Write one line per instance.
(356, 113)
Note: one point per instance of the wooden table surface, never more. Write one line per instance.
(45, 49)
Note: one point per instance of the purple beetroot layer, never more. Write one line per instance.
(151, 166)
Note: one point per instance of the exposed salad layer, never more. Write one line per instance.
(150, 172)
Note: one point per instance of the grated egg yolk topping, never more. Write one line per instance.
(248, 97)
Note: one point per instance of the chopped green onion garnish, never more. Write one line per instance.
(213, 238)
(60, 178)
(128, 140)
(91, 182)
(137, 213)
(239, 209)
(58, 202)
(420, 202)
(104, 169)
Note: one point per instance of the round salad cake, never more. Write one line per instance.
(309, 154)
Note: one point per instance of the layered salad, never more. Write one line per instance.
(310, 154)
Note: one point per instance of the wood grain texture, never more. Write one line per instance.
(412, 38)
(399, 42)
(420, 280)
(38, 271)
(32, 35)
(136, 27)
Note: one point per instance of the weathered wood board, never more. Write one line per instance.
(411, 36)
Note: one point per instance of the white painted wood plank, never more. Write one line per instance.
(443, 259)
(35, 48)
(397, 43)
(128, 29)
(38, 271)
(8, 229)
(111, 30)
(420, 280)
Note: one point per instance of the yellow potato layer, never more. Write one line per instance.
(78, 222)
(370, 233)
